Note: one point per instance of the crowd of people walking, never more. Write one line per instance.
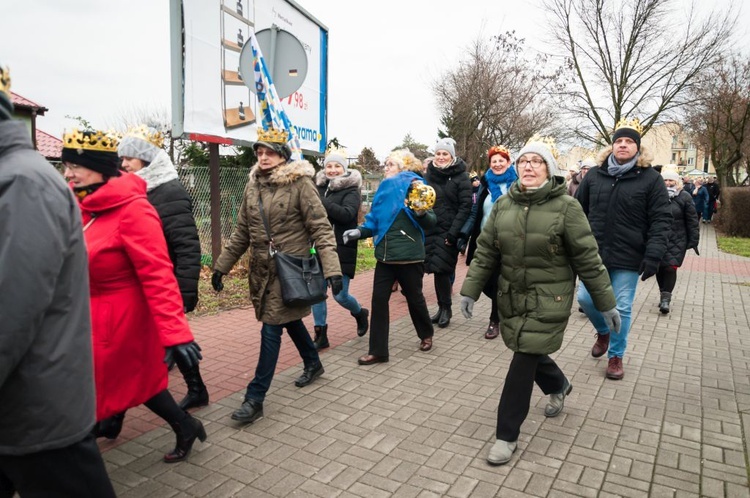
(125, 222)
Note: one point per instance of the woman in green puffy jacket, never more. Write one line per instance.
(540, 239)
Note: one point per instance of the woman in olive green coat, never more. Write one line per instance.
(540, 238)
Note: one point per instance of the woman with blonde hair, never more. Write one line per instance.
(397, 229)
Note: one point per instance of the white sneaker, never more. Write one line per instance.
(501, 452)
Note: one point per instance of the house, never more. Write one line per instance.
(27, 111)
(671, 144)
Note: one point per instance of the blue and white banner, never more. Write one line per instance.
(271, 109)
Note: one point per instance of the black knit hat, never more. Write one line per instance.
(629, 133)
(6, 104)
(629, 128)
(94, 150)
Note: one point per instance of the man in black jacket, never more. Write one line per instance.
(627, 205)
(714, 191)
(47, 403)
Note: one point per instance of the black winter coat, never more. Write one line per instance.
(342, 199)
(452, 208)
(629, 215)
(685, 232)
(175, 208)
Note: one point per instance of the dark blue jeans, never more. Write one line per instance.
(270, 345)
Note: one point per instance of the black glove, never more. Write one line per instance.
(450, 240)
(216, 281)
(188, 355)
(189, 302)
(336, 283)
(461, 245)
(648, 269)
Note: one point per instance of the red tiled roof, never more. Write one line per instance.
(23, 101)
(48, 146)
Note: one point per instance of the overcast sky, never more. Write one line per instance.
(105, 59)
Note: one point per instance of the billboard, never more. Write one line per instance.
(212, 97)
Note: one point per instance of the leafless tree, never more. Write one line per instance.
(496, 96)
(158, 118)
(632, 58)
(719, 117)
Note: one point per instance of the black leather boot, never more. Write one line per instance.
(666, 298)
(109, 427)
(321, 336)
(445, 318)
(362, 321)
(436, 317)
(197, 394)
(187, 432)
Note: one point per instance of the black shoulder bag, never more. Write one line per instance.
(301, 277)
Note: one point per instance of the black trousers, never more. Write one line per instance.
(409, 276)
(666, 277)
(490, 290)
(76, 471)
(443, 289)
(525, 370)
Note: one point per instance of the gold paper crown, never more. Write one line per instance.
(548, 142)
(147, 134)
(5, 80)
(273, 135)
(633, 123)
(91, 140)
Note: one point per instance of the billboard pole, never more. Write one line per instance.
(215, 190)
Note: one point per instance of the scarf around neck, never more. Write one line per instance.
(388, 203)
(500, 184)
(616, 169)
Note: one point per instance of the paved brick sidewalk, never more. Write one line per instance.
(421, 425)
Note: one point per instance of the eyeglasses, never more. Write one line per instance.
(390, 165)
(534, 162)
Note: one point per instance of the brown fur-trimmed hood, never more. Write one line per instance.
(284, 174)
(644, 160)
(352, 178)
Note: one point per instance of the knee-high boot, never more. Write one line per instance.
(197, 394)
(186, 428)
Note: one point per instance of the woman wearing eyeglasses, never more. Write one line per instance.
(539, 239)
(398, 234)
(495, 183)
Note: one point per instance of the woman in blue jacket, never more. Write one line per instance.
(398, 234)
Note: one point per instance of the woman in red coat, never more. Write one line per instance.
(136, 307)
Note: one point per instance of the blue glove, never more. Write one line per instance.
(189, 354)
